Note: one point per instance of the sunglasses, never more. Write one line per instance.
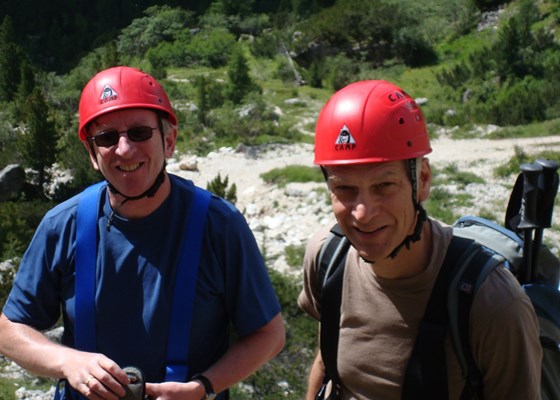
(111, 137)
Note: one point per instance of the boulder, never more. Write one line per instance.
(12, 178)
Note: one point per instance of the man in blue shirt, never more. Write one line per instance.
(129, 128)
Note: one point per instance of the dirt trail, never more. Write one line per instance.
(288, 216)
(476, 155)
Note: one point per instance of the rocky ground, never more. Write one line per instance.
(288, 216)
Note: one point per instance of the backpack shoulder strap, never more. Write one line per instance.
(471, 273)
(331, 260)
(332, 251)
(426, 374)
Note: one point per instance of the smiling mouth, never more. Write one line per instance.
(371, 231)
(129, 168)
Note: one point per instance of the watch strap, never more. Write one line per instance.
(208, 387)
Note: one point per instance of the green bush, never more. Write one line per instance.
(210, 48)
(340, 71)
(292, 173)
(294, 255)
(221, 188)
(521, 102)
(513, 166)
(7, 389)
(440, 205)
(284, 377)
(160, 24)
(18, 221)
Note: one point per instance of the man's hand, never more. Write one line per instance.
(192, 390)
(96, 376)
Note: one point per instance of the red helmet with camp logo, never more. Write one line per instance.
(370, 121)
(119, 88)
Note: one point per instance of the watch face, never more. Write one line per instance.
(210, 396)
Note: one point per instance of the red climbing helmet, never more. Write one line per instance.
(118, 88)
(370, 121)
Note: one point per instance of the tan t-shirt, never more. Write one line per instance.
(380, 318)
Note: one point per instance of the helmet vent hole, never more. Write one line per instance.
(409, 143)
(401, 121)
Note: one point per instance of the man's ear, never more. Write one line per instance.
(424, 180)
(92, 157)
(169, 141)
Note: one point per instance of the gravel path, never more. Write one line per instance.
(281, 217)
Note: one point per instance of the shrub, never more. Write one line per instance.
(440, 205)
(18, 221)
(521, 102)
(283, 376)
(341, 71)
(292, 173)
(294, 255)
(161, 24)
(220, 187)
(239, 83)
(210, 48)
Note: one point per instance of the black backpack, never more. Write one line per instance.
(478, 245)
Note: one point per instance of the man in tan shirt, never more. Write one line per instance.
(371, 142)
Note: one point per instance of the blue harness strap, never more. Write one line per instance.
(184, 290)
(185, 281)
(86, 255)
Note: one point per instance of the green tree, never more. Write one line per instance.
(515, 50)
(161, 23)
(239, 80)
(39, 138)
(234, 7)
(210, 47)
(10, 61)
(368, 30)
(208, 96)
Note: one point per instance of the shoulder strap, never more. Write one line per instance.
(426, 374)
(86, 255)
(185, 287)
(466, 266)
(332, 251)
(332, 258)
(187, 271)
(471, 273)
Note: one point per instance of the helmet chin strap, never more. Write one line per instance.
(421, 213)
(150, 192)
(416, 235)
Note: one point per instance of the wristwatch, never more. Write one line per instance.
(208, 388)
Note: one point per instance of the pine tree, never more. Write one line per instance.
(220, 187)
(38, 142)
(10, 61)
(239, 81)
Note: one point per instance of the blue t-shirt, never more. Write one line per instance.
(134, 281)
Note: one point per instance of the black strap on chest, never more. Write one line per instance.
(330, 276)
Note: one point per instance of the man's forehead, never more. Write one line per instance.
(387, 167)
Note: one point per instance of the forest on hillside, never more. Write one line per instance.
(229, 66)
